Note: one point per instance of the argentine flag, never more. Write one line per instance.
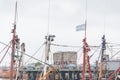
(80, 27)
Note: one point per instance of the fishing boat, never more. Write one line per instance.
(65, 65)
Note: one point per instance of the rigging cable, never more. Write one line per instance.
(41, 62)
(36, 51)
(115, 54)
(48, 17)
(30, 56)
(70, 45)
(64, 45)
(110, 49)
(99, 55)
(4, 47)
(80, 54)
(4, 43)
(36, 59)
(4, 54)
(114, 44)
(94, 52)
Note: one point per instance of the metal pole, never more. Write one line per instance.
(84, 60)
(103, 50)
(12, 54)
(13, 44)
(47, 50)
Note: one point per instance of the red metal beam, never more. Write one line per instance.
(109, 78)
(12, 54)
(90, 72)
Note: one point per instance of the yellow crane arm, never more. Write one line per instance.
(47, 73)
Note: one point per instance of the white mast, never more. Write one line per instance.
(48, 38)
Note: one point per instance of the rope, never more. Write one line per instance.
(99, 54)
(35, 52)
(4, 54)
(42, 62)
(4, 47)
(80, 54)
(115, 54)
(36, 59)
(71, 46)
(4, 43)
(94, 52)
(64, 45)
(29, 55)
(48, 17)
(114, 44)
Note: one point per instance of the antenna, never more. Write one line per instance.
(48, 17)
(15, 17)
(104, 24)
(104, 17)
(85, 18)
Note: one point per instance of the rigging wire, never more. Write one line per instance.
(64, 45)
(80, 54)
(4, 43)
(114, 44)
(115, 54)
(42, 62)
(4, 47)
(99, 55)
(109, 49)
(113, 50)
(94, 52)
(16, 14)
(70, 46)
(39, 61)
(36, 52)
(104, 24)
(4, 54)
(48, 17)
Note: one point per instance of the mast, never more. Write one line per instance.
(102, 59)
(13, 44)
(86, 49)
(84, 55)
(48, 38)
(13, 52)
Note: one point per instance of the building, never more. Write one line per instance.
(66, 57)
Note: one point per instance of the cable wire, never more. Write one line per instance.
(4, 54)
(36, 52)
(115, 54)
(5, 47)
(94, 52)
(42, 62)
(70, 46)
(64, 45)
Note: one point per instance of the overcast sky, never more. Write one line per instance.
(103, 16)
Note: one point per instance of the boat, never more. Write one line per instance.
(62, 69)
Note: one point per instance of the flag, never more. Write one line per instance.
(80, 27)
